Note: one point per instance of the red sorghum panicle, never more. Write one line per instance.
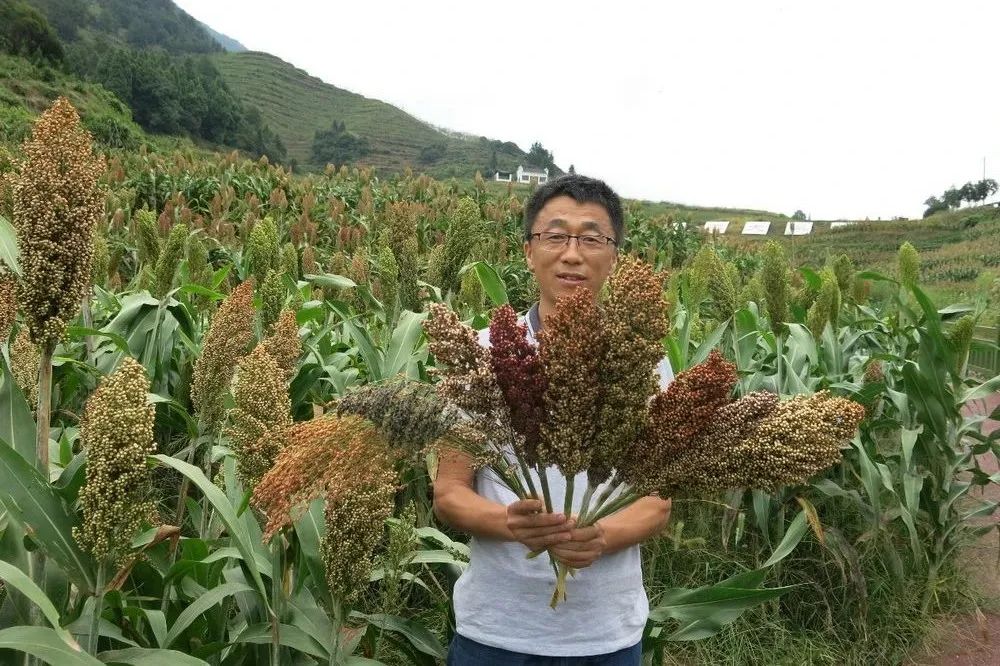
(57, 204)
(521, 376)
(679, 414)
(24, 359)
(117, 434)
(228, 339)
(571, 346)
(8, 305)
(261, 416)
(634, 323)
(330, 457)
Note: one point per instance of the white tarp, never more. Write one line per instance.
(798, 228)
(756, 227)
(838, 225)
(716, 226)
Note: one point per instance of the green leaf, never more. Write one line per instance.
(702, 612)
(199, 606)
(873, 275)
(45, 644)
(492, 283)
(709, 343)
(329, 280)
(18, 580)
(310, 529)
(288, 635)
(80, 332)
(404, 338)
(417, 634)
(227, 514)
(369, 352)
(150, 657)
(17, 424)
(8, 246)
(987, 388)
(793, 535)
(157, 624)
(41, 512)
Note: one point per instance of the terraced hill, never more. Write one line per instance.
(296, 105)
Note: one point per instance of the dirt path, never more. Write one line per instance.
(974, 639)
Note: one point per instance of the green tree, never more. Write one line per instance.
(338, 146)
(24, 31)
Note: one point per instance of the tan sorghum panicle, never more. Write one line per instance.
(117, 434)
(229, 336)
(57, 203)
(572, 347)
(8, 305)
(797, 439)
(261, 416)
(355, 524)
(330, 457)
(283, 343)
(633, 323)
(24, 359)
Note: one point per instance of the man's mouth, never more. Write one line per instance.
(571, 278)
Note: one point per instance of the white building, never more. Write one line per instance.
(716, 226)
(503, 177)
(529, 174)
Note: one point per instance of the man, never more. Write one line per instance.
(573, 226)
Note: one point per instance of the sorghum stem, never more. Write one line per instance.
(527, 477)
(568, 499)
(585, 505)
(544, 478)
(277, 597)
(44, 415)
(615, 505)
(95, 621)
(88, 322)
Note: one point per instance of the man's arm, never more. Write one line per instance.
(634, 524)
(461, 507)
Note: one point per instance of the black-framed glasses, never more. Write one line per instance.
(555, 241)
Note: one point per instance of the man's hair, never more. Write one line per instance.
(582, 190)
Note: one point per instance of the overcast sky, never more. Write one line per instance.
(844, 109)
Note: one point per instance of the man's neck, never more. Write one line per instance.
(544, 310)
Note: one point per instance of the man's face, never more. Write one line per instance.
(560, 271)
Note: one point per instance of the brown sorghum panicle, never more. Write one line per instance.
(228, 338)
(572, 350)
(468, 381)
(634, 323)
(261, 416)
(57, 204)
(521, 377)
(117, 433)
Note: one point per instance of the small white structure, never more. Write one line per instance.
(716, 226)
(797, 228)
(756, 227)
(838, 225)
(503, 177)
(529, 174)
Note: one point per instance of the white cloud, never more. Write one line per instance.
(848, 109)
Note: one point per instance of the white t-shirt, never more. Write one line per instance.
(502, 599)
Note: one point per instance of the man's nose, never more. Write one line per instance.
(571, 251)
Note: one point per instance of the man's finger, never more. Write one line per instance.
(549, 540)
(576, 547)
(536, 520)
(525, 507)
(538, 532)
(586, 533)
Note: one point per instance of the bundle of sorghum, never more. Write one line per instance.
(586, 399)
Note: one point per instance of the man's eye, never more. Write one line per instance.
(591, 240)
(558, 238)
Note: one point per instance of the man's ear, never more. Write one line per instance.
(527, 256)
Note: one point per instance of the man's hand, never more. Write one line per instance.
(587, 544)
(536, 528)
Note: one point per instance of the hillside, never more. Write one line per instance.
(295, 105)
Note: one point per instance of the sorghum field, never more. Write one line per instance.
(179, 331)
